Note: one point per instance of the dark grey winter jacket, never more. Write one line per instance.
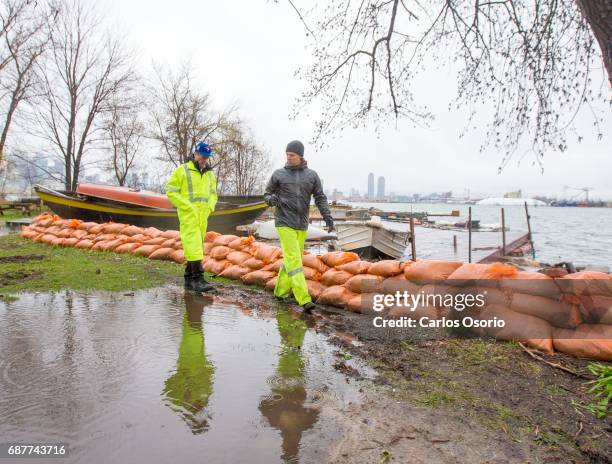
(289, 190)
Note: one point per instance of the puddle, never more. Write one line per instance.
(162, 375)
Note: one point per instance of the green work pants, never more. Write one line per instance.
(291, 273)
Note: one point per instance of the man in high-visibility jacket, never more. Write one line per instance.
(192, 189)
(289, 191)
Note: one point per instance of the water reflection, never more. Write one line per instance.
(187, 391)
(284, 408)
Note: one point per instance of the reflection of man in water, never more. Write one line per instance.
(284, 408)
(189, 389)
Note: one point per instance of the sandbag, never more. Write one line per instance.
(253, 263)
(274, 267)
(127, 247)
(211, 235)
(48, 238)
(109, 245)
(270, 284)
(238, 257)
(171, 234)
(84, 244)
(104, 238)
(79, 234)
(145, 250)
(355, 267)
(314, 262)
(168, 243)
(65, 233)
(558, 313)
(216, 266)
(74, 223)
(266, 253)
(531, 283)
(315, 289)
(70, 242)
(57, 241)
(206, 247)
(53, 230)
(155, 241)
(533, 331)
(87, 225)
(97, 229)
(152, 232)
(586, 283)
(113, 227)
(129, 230)
(235, 272)
(241, 243)
(163, 254)
(386, 268)
(336, 295)
(429, 312)
(337, 258)
(311, 274)
(27, 232)
(364, 304)
(258, 277)
(596, 309)
(430, 271)
(397, 283)
(223, 240)
(335, 277)
(593, 341)
(178, 256)
(363, 283)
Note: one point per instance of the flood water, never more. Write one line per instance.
(165, 375)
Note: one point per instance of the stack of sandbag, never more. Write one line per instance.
(110, 236)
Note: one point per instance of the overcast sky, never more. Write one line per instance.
(246, 52)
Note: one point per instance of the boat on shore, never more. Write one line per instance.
(372, 240)
(142, 208)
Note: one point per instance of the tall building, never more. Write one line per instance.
(381, 188)
(371, 185)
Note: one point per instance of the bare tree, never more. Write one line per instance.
(182, 115)
(532, 62)
(86, 68)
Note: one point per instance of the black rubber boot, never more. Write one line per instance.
(189, 275)
(198, 282)
(308, 307)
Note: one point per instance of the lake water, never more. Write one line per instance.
(579, 235)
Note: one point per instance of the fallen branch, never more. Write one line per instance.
(552, 364)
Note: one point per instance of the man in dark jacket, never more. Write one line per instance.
(289, 191)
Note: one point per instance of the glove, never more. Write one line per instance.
(273, 201)
(330, 227)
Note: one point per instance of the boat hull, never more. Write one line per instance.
(69, 206)
(371, 242)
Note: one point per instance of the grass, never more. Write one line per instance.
(17, 214)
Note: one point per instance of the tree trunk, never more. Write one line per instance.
(598, 14)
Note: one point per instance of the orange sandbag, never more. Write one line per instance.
(215, 266)
(336, 295)
(465, 274)
(241, 243)
(364, 304)
(386, 268)
(270, 284)
(363, 283)
(79, 234)
(28, 232)
(314, 262)
(238, 257)
(152, 232)
(429, 271)
(145, 250)
(596, 309)
(420, 311)
(84, 244)
(219, 251)
(267, 253)
(211, 235)
(74, 223)
(258, 277)
(111, 245)
(398, 283)
(130, 230)
(53, 230)
(586, 283)
(178, 256)
(99, 246)
(57, 241)
(337, 258)
(38, 238)
(224, 240)
(164, 254)
(167, 243)
(235, 272)
(311, 274)
(65, 233)
(355, 267)
(206, 247)
(155, 241)
(70, 242)
(48, 238)
(97, 229)
(274, 267)
(104, 238)
(173, 234)
(314, 288)
(113, 227)
(335, 277)
(127, 247)
(87, 225)
(138, 238)
(531, 283)
(593, 341)
(558, 313)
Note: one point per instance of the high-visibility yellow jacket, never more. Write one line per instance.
(194, 194)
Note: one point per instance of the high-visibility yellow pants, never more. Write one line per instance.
(291, 273)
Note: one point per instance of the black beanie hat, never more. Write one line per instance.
(295, 146)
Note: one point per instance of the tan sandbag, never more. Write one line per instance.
(224, 240)
(167, 243)
(178, 256)
(79, 234)
(138, 238)
(363, 283)
(235, 272)
(266, 253)
(84, 244)
(87, 225)
(57, 241)
(145, 250)
(596, 309)
(315, 289)
(386, 268)
(253, 263)
(104, 238)
(171, 234)
(420, 311)
(397, 283)
(43, 219)
(74, 223)
(99, 246)
(558, 313)
(366, 303)
(211, 235)
(61, 223)
(270, 284)
(155, 241)
(274, 267)
(336, 295)
(592, 341)
(163, 254)
(470, 274)
(355, 267)
(27, 232)
(152, 232)
(586, 283)
(335, 277)
(48, 239)
(531, 283)
(70, 242)
(337, 258)
(531, 330)
(311, 274)
(238, 257)
(97, 229)
(113, 228)
(127, 247)
(490, 295)
(215, 266)
(53, 230)
(129, 230)
(315, 263)
(258, 277)
(430, 271)
(241, 243)
(65, 233)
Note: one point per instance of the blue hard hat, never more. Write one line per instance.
(203, 148)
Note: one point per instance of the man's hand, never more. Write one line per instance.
(330, 227)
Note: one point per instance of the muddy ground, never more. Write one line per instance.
(439, 398)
